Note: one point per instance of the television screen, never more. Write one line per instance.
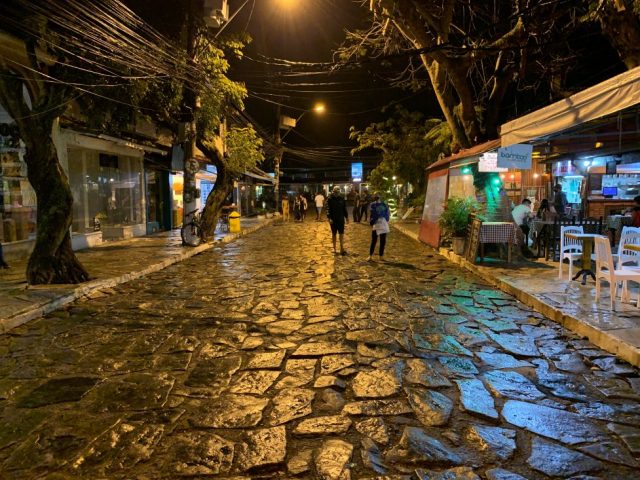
(610, 191)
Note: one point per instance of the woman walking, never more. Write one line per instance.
(379, 221)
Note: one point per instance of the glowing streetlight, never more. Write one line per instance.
(319, 108)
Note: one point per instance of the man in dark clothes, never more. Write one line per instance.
(365, 201)
(3, 264)
(338, 216)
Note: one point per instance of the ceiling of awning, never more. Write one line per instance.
(609, 97)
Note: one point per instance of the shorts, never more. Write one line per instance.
(337, 228)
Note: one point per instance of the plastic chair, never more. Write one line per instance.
(629, 236)
(570, 248)
(605, 270)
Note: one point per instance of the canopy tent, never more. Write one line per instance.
(605, 98)
(469, 153)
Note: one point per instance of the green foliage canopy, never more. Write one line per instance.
(244, 149)
(409, 143)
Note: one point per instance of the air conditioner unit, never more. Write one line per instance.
(216, 13)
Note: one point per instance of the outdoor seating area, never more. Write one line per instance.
(584, 253)
(590, 253)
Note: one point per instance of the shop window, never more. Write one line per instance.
(107, 190)
(17, 198)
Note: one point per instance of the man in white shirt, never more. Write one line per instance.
(319, 201)
(521, 214)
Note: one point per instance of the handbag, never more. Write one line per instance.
(381, 226)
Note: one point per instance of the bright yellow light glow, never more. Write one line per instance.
(502, 176)
(536, 175)
(288, 3)
(599, 145)
(319, 108)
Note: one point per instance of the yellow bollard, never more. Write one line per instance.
(234, 222)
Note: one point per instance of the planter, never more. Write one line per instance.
(458, 244)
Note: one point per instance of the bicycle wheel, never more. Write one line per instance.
(190, 234)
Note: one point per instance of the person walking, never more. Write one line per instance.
(356, 208)
(365, 201)
(285, 208)
(338, 217)
(303, 207)
(379, 221)
(297, 208)
(319, 201)
(350, 202)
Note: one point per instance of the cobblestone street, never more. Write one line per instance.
(272, 358)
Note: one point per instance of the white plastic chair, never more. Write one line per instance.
(570, 248)
(605, 270)
(629, 236)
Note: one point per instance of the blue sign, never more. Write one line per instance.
(515, 156)
(356, 172)
(206, 188)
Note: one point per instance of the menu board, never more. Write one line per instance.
(473, 241)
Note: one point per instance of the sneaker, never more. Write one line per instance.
(343, 253)
(382, 259)
(369, 258)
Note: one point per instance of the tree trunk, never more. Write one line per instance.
(221, 190)
(444, 95)
(52, 259)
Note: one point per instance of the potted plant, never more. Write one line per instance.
(455, 220)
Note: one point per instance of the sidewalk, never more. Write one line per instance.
(109, 264)
(537, 285)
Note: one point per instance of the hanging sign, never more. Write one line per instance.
(515, 156)
(356, 172)
(564, 168)
(488, 162)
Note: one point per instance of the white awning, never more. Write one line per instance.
(608, 97)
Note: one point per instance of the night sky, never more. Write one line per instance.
(310, 31)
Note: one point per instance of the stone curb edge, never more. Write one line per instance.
(42, 309)
(604, 340)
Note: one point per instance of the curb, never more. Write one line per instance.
(33, 312)
(603, 339)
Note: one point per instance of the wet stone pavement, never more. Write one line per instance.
(272, 358)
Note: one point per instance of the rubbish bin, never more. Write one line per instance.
(234, 222)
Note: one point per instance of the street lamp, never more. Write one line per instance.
(318, 108)
(288, 4)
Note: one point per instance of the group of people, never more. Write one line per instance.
(360, 205)
(522, 214)
(338, 215)
(365, 206)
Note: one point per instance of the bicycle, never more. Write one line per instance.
(223, 222)
(191, 233)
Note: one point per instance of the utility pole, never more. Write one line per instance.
(277, 160)
(191, 103)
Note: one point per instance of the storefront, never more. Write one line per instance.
(17, 201)
(612, 184)
(107, 183)
(588, 141)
